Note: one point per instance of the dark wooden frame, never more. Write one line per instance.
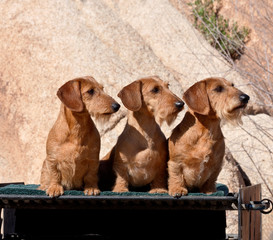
(113, 217)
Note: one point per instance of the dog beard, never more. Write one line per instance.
(169, 118)
(101, 118)
(233, 117)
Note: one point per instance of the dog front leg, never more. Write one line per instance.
(158, 185)
(176, 182)
(91, 179)
(55, 188)
(210, 185)
(45, 177)
(122, 180)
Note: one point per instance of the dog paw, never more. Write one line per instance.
(158, 190)
(55, 190)
(91, 191)
(119, 189)
(42, 187)
(208, 190)
(178, 192)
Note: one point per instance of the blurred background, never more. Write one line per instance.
(43, 44)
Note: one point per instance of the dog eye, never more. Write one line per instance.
(155, 90)
(232, 84)
(91, 91)
(219, 89)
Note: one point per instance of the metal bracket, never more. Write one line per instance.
(265, 206)
(269, 205)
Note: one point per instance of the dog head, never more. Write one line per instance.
(152, 95)
(218, 98)
(86, 95)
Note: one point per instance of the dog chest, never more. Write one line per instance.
(200, 164)
(144, 167)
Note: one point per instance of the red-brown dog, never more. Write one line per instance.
(73, 144)
(140, 154)
(196, 146)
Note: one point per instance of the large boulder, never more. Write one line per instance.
(251, 146)
(44, 44)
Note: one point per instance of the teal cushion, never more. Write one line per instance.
(31, 189)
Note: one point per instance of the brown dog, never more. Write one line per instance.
(196, 146)
(73, 144)
(140, 154)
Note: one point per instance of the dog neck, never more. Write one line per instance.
(144, 122)
(209, 124)
(79, 124)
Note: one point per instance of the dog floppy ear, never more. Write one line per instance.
(70, 95)
(196, 98)
(130, 96)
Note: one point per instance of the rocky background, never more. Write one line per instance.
(43, 44)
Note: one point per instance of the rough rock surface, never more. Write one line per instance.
(251, 146)
(46, 43)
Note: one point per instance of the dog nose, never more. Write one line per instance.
(244, 98)
(115, 107)
(179, 104)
